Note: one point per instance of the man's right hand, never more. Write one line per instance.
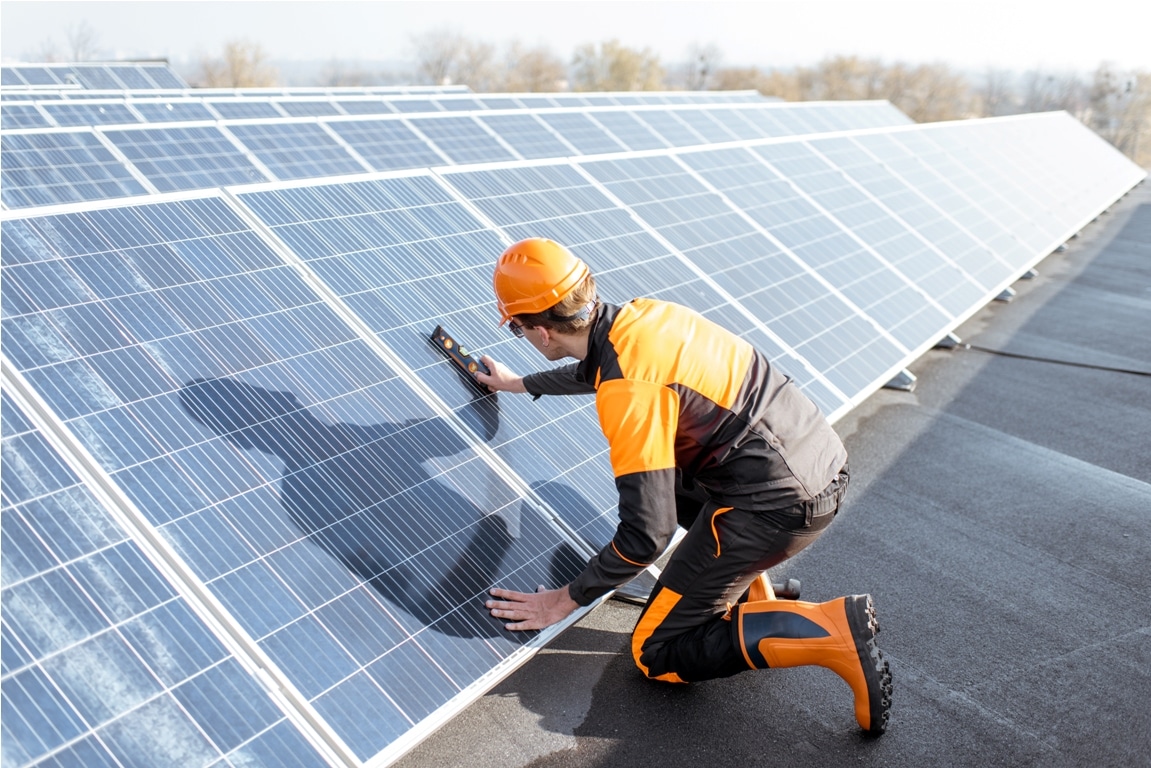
(501, 378)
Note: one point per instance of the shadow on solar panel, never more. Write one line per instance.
(362, 494)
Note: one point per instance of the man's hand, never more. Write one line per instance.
(501, 379)
(532, 610)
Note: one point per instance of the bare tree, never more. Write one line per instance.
(336, 74)
(475, 66)
(996, 93)
(242, 65)
(611, 66)
(532, 69)
(436, 53)
(700, 69)
(83, 42)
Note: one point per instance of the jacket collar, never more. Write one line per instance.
(587, 370)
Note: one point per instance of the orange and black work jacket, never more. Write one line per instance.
(681, 398)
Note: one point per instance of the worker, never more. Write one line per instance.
(704, 433)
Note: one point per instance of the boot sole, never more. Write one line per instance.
(876, 671)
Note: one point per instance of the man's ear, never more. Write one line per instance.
(545, 334)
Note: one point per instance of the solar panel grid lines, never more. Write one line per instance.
(126, 652)
(916, 208)
(18, 115)
(1019, 207)
(372, 285)
(804, 311)
(186, 156)
(214, 474)
(340, 241)
(296, 148)
(954, 286)
(781, 351)
(530, 137)
(463, 138)
(945, 285)
(64, 165)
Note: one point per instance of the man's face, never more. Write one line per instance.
(540, 338)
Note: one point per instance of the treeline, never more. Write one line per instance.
(1114, 103)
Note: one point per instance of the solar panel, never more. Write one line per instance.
(61, 167)
(462, 139)
(22, 116)
(296, 150)
(581, 132)
(241, 110)
(527, 136)
(192, 157)
(626, 128)
(387, 145)
(242, 383)
(172, 111)
(780, 291)
(405, 256)
(90, 113)
(947, 286)
(105, 662)
(346, 528)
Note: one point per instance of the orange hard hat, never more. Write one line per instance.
(534, 275)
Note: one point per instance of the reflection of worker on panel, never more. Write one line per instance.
(363, 494)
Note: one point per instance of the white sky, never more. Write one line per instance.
(1056, 35)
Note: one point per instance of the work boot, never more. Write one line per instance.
(839, 635)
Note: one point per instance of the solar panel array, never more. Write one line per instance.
(167, 156)
(104, 76)
(236, 472)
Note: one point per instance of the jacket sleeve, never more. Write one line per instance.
(557, 381)
(639, 421)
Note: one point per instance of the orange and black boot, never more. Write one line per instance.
(839, 635)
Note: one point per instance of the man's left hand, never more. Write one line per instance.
(531, 610)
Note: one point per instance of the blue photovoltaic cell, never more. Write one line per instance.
(185, 158)
(527, 136)
(823, 245)
(131, 78)
(47, 168)
(915, 210)
(462, 139)
(96, 78)
(347, 529)
(243, 110)
(915, 171)
(172, 111)
(464, 104)
(296, 150)
(706, 126)
(1001, 207)
(936, 276)
(774, 286)
(387, 145)
(673, 130)
(102, 659)
(164, 78)
(365, 106)
(87, 113)
(500, 103)
(22, 116)
(405, 256)
(626, 128)
(583, 134)
(416, 105)
(311, 108)
(735, 121)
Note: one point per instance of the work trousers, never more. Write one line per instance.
(684, 633)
